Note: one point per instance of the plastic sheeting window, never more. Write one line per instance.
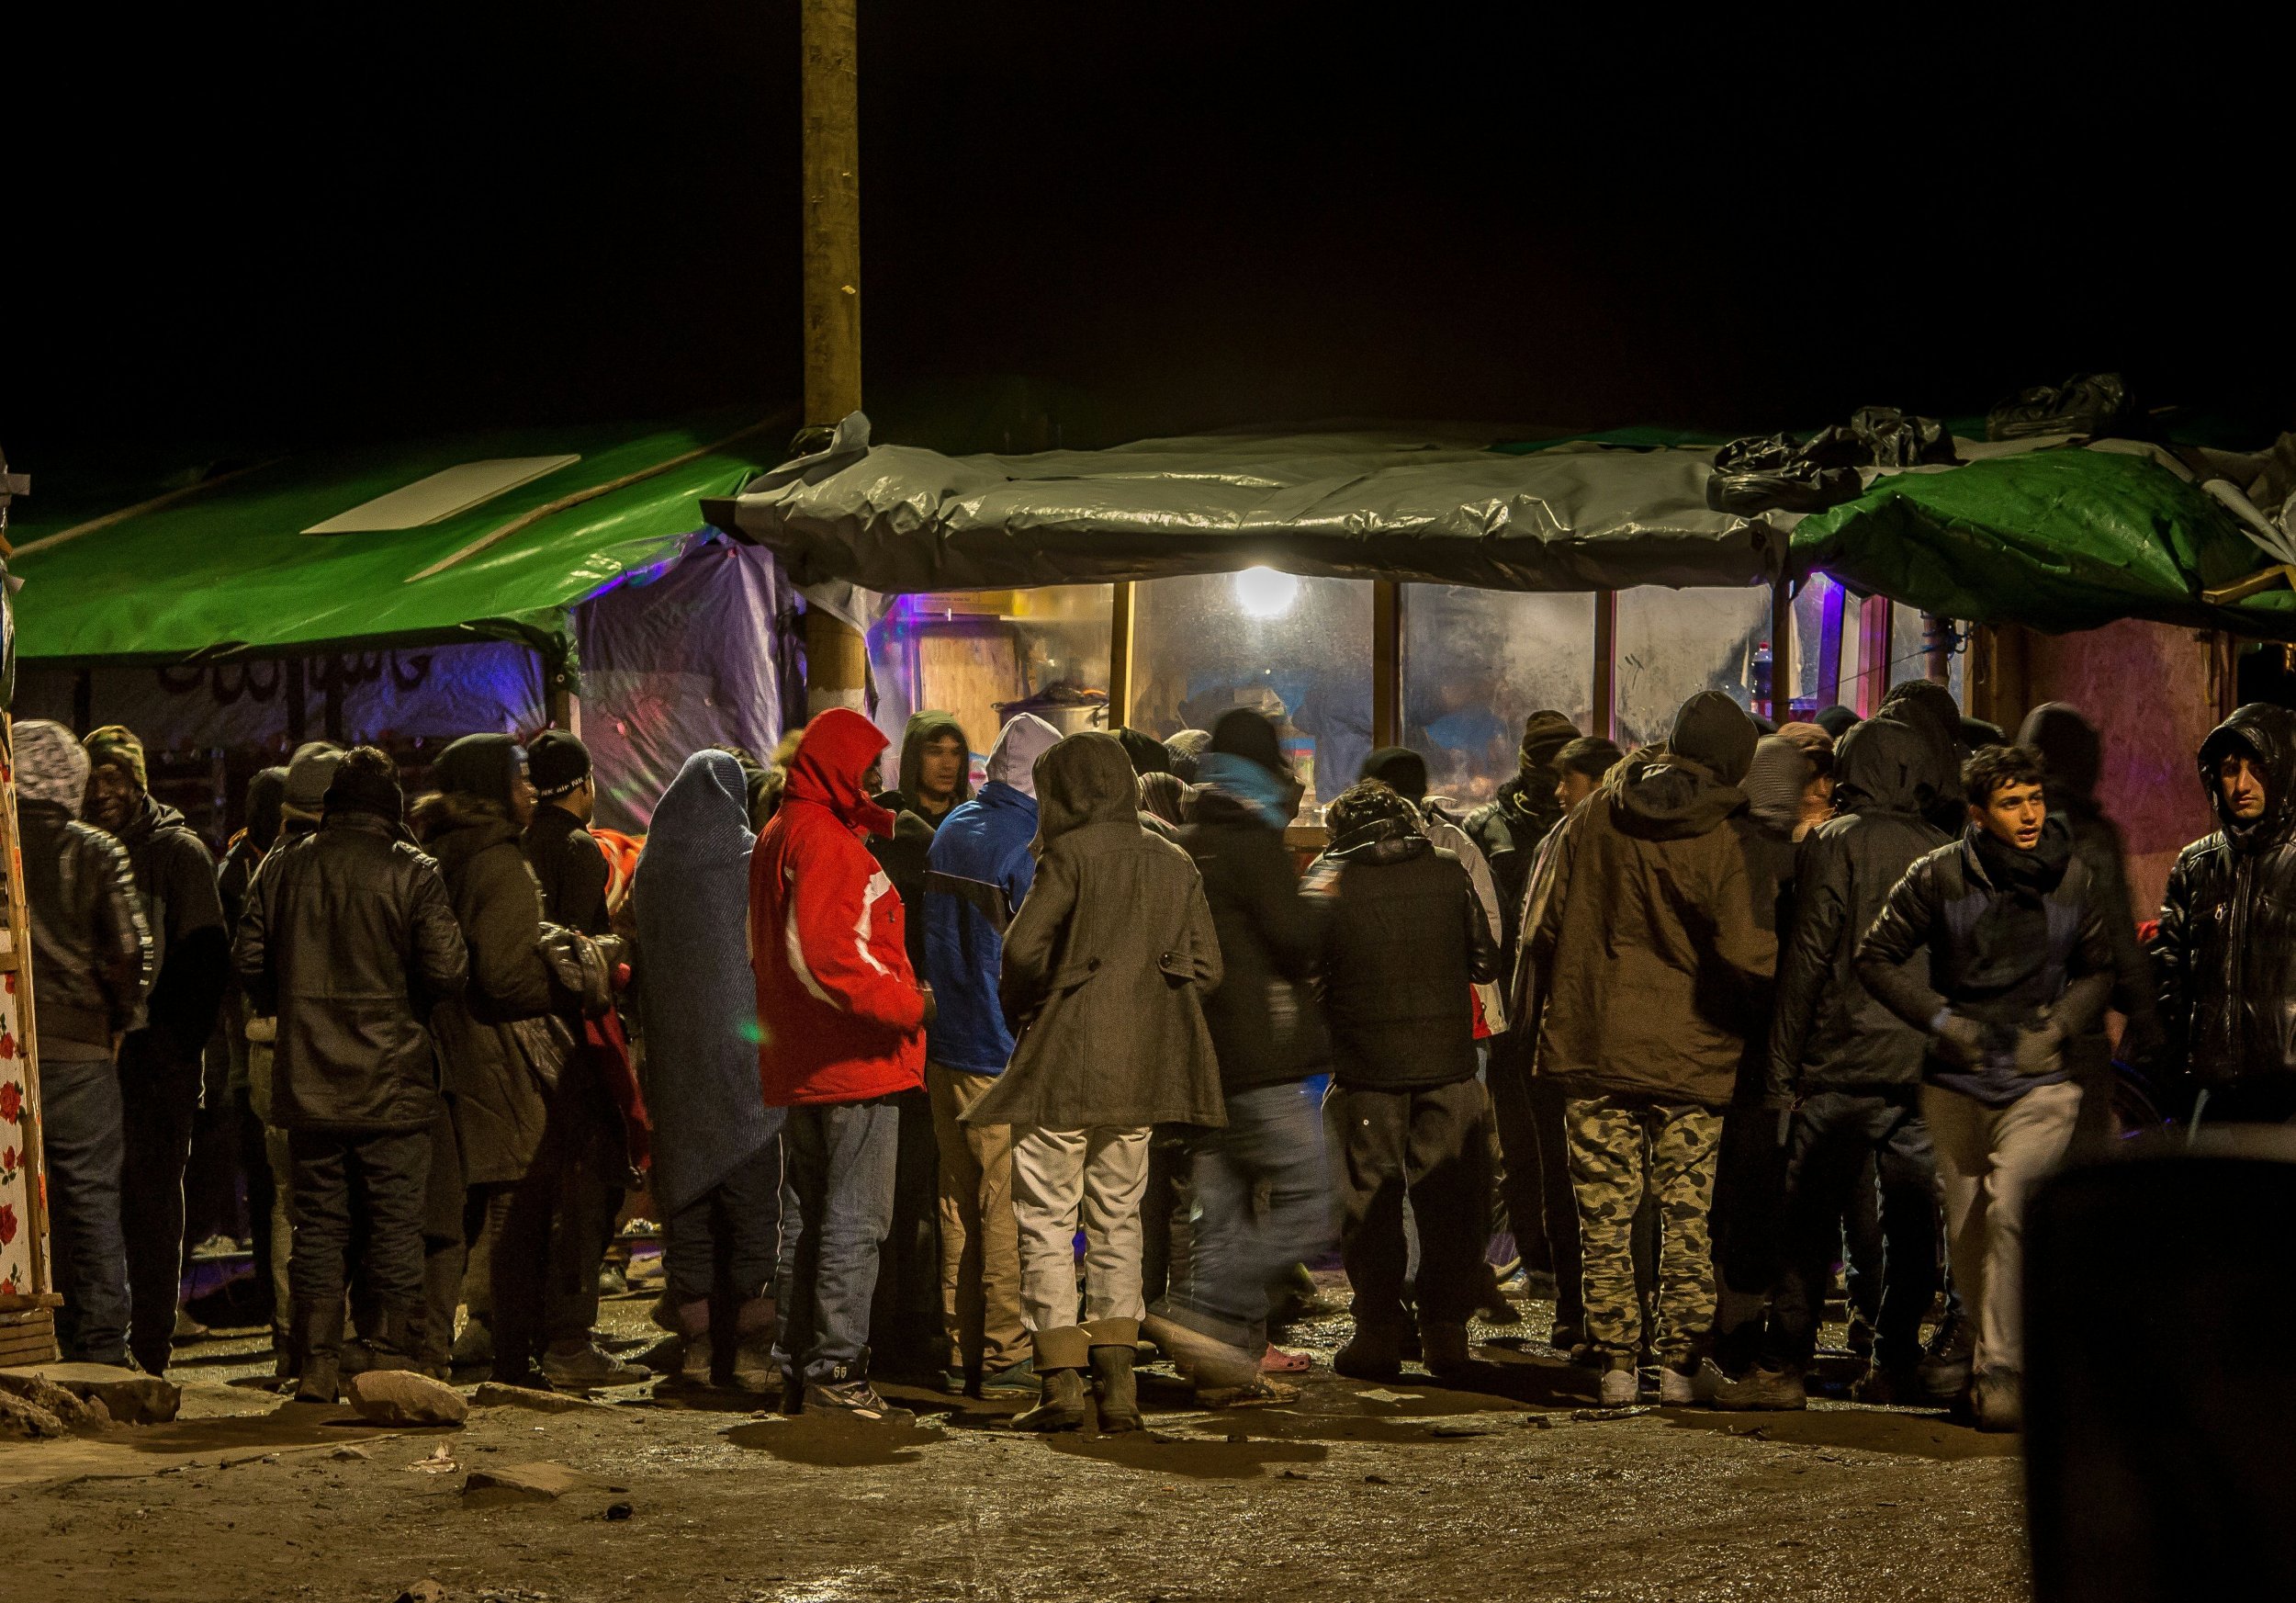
(1298, 649)
(1475, 663)
(1826, 620)
(973, 652)
(1908, 653)
(1672, 644)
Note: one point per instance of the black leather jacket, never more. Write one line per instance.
(349, 940)
(91, 954)
(2225, 960)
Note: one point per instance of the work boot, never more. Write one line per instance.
(692, 1374)
(756, 1328)
(581, 1365)
(1443, 1350)
(317, 1332)
(1997, 1400)
(1944, 1369)
(1371, 1354)
(1113, 1383)
(1061, 1406)
(1759, 1389)
(1621, 1386)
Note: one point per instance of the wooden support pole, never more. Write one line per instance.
(1121, 653)
(837, 660)
(1782, 664)
(1606, 718)
(1387, 663)
(1873, 654)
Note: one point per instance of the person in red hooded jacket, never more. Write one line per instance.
(842, 1019)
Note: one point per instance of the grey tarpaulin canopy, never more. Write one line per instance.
(1433, 506)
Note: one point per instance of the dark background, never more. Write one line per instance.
(1106, 221)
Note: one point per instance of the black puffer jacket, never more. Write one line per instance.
(506, 1043)
(1829, 1033)
(91, 955)
(1264, 1023)
(2226, 957)
(348, 941)
(1508, 828)
(1404, 937)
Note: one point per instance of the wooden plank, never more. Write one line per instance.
(28, 1037)
(1121, 653)
(1606, 664)
(1387, 663)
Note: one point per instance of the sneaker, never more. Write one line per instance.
(1013, 1381)
(1943, 1371)
(1758, 1389)
(855, 1399)
(589, 1367)
(1677, 1388)
(1621, 1388)
(612, 1282)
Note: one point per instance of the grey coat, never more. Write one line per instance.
(1107, 963)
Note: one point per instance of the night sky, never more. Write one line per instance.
(1138, 223)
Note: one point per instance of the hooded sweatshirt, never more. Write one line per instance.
(690, 896)
(838, 1005)
(1830, 1033)
(1107, 963)
(1927, 708)
(2226, 954)
(923, 729)
(2074, 753)
(978, 870)
(1655, 956)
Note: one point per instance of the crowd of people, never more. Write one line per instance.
(1004, 1091)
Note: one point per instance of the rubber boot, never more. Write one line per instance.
(1062, 1407)
(696, 1350)
(756, 1329)
(316, 1330)
(1119, 1392)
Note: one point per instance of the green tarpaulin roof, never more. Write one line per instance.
(227, 567)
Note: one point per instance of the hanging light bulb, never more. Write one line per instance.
(1265, 593)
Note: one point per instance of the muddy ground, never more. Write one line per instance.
(1404, 1491)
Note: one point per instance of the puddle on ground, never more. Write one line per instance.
(1191, 1458)
(1911, 1433)
(837, 1441)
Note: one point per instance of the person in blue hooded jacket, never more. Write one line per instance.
(717, 1154)
(977, 870)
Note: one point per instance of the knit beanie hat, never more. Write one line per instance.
(1717, 733)
(310, 771)
(1774, 781)
(1545, 734)
(1400, 769)
(50, 764)
(558, 763)
(485, 766)
(1185, 748)
(1836, 720)
(116, 746)
(1241, 732)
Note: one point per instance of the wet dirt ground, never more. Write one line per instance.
(1520, 1490)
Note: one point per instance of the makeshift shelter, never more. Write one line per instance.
(412, 593)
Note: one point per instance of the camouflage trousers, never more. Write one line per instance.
(1622, 1147)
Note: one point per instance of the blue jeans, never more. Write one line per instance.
(836, 1209)
(1274, 1140)
(85, 1141)
(735, 1225)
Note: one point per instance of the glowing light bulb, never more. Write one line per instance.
(1265, 593)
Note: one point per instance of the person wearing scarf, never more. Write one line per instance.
(1268, 1035)
(2020, 963)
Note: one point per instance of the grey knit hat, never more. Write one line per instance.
(50, 764)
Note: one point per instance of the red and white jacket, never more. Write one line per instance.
(839, 1012)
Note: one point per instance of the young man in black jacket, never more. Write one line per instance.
(1404, 938)
(161, 1061)
(1268, 1035)
(93, 959)
(557, 841)
(1844, 1076)
(347, 941)
(2018, 964)
(2226, 956)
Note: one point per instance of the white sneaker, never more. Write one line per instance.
(1620, 1388)
(1676, 1390)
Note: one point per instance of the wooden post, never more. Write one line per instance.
(1121, 653)
(1606, 718)
(1387, 663)
(1873, 654)
(837, 660)
(1781, 665)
